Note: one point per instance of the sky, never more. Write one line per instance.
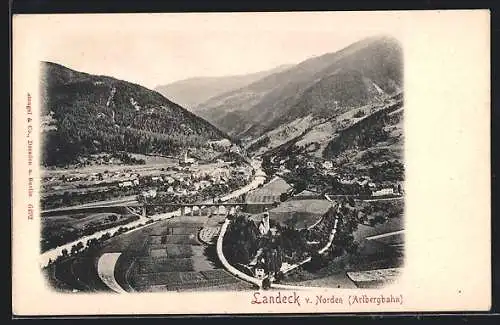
(157, 49)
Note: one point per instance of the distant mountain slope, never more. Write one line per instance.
(358, 139)
(84, 113)
(365, 72)
(191, 92)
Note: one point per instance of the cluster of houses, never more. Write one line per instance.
(188, 184)
(129, 183)
(179, 180)
(96, 178)
(326, 167)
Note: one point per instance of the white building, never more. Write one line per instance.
(126, 184)
(384, 191)
(346, 181)
(156, 178)
(264, 224)
(327, 164)
(186, 161)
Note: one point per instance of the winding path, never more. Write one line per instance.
(226, 264)
(106, 271)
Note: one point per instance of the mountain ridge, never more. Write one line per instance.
(191, 92)
(84, 113)
(365, 71)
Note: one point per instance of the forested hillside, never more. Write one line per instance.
(84, 114)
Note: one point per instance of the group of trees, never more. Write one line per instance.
(93, 244)
(240, 240)
(387, 171)
(262, 142)
(243, 242)
(72, 140)
(379, 212)
(362, 135)
(343, 242)
(359, 114)
(53, 236)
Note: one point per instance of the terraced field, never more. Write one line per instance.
(173, 259)
(208, 235)
(166, 256)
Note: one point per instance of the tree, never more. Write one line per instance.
(64, 252)
(79, 246)
(279, 276)
(92, 243)
(316, 262)
(266, 284)
(105, 236)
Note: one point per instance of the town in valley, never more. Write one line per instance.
(285, 178)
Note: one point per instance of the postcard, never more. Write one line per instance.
(229, 163)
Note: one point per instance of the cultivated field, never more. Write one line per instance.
(269, 192)
(171, 258)
(300, 213)
(166, 256)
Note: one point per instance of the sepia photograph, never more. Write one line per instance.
(248, 153)
(287, 176)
